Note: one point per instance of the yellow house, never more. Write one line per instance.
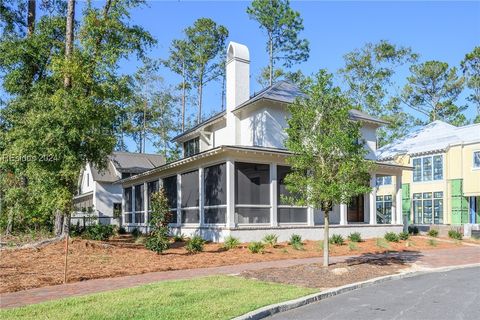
(444, 185)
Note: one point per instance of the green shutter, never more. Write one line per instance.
(406, 201)
(459, 203)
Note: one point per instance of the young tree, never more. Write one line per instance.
(328, 156)
(205, 42)
(160, 217)
(432, 90)
(368, 74)
(283, 26)
(471, 70)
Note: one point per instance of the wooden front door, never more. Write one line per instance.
(355, 210)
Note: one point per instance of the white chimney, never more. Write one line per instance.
(237, 86)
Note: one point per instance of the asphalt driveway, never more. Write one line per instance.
(440, 295)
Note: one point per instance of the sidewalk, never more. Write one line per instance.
(426, 259)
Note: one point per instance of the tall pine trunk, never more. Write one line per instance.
(183, 95)
(200, 93)
(271, 59)
(32, 6)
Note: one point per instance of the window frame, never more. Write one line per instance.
(421, 174)
(431, 201)
(382, 199)
(281, 206)
(191, 143)
(474, 167)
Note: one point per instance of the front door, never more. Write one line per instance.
(355, 210)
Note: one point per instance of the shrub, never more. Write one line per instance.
(256, 247)
(271, 239)
(454, 234)
(433, 233)
(355, 237)
(297, 246)
(136, 233)
(99, 232)
(381, 243)
(195, 244)
(352, 246)
(231, 243)
(337, 239)
(413, 230)
(141, 240)
(121, 230)
(179, 238)
(295, 239)
(391, 237)
(156, 243)
(432, 242)
(403, 235)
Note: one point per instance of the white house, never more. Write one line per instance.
(98, 196)
(231, 177)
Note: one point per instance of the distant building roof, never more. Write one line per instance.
(127, 162)
(436, 136)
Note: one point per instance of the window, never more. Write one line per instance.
(191, 147)
(252, 193)
(287, 213)
(127, 195)
(126, 175)
(428, 168)
(384, 180)
(428, 208)
(139, 205)
(215, 196)
(476, 159)
(189, 199)
(152, 187)
(384, 209)
(170, 188)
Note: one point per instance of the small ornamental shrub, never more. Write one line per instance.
(136, 233)
(122, 230)
(295, 239)
(413, 230)
(433, 233)
(231, 243)
(297, 246)
(432, 242)
(337, 239)
(179, 238)
(156, 244)
(271, 239)
(391, 237)
(99, 232)
(256, 247)
(403, 235)
(355, 237)
(157, 240)
(381, 243)
(195, 244)
(352, 246)
(454, 234)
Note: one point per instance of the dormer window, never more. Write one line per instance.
(191, 147)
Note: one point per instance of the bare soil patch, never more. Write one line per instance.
(31, 268)
(317, 276)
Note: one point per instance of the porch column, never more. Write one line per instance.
(372, 200)
(201, 192)
(398, 199)
(145, 205)
(134, 209)
(273, 195)
(230, 194)
(310, 216)
(179, 199)
(343, 214)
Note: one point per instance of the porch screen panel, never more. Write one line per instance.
(215, 195)
(127, 195)
(287, 213)
(139, 204)
(152, 187)
(190, 198)
(170, 188)
(252, 193)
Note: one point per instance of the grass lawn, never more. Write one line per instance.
(215, 297)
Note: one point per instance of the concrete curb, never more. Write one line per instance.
(299, 302)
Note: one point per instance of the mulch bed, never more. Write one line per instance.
(31, 268)
(339, 274)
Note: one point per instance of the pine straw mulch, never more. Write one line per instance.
(32, 268)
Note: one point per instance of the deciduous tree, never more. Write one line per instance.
(471, 70)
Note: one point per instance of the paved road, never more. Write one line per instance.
(448, 295)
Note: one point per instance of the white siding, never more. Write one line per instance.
(86, 184)
(264, 127)
(370, 136)
(105, 195)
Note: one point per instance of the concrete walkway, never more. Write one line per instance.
(425, 259)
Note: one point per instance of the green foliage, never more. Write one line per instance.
(433, 233)
(403, 235)
(454, 234)
(282, 25)
(381, 243)
(337, 239)
(231, 243)
(99, 232)
(121, 230)
(195, 244)
(135, 233)
(471, 70)
(295, 238)
(391, 237)
(256, 247)
(432, 242)
(432, 89)
(413, 230)
(271, 239)
(368, 73)
(355, 237)
(352, 246)
(159, 218)
(179, 238)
